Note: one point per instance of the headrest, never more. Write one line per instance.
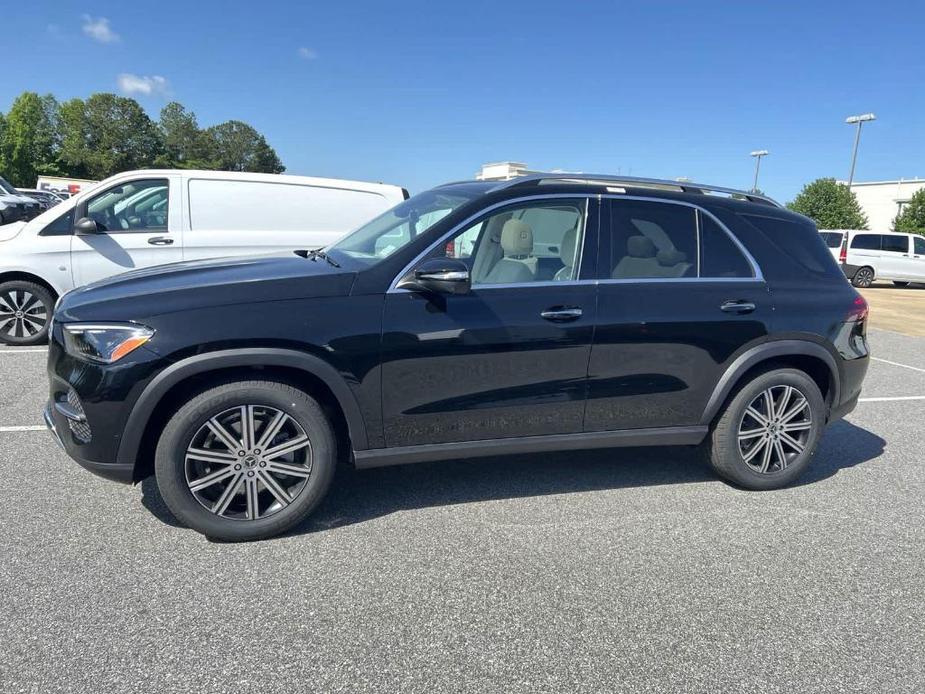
(640, 247)
(567, 247)
(517, 238)
(671, 258)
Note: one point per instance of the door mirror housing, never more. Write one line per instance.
(86, 226)
(439, 275)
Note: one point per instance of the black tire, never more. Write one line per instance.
(864, 277)
(900, 284)
(171, 461)
(25, 313)
(723, 448)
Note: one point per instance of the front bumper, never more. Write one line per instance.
(56, 422)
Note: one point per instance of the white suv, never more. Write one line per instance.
(143, 218)
(884, 255)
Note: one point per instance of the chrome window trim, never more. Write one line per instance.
(466, 223)
(758, 275)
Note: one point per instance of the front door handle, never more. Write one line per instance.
(737, 306)
(160, 241)
(561, 314)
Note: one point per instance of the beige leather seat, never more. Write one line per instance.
(567, 253)
(639, 260)
(517, 246)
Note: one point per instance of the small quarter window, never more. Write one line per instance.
(62, 226)
(799, 242)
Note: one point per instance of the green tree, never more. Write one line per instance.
(30, 139)
(183, 142)
(236, 146)
(912, 219)
(830, 204)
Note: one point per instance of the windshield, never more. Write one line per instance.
(398, 227)
(6, 187)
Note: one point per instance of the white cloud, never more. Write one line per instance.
(99, 29)
(307, 53)
(155, 85)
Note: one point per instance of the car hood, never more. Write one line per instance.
(135, 295)
(11, 231)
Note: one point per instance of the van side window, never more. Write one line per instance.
(719, 256)
(652, 240)
(134, 206)
(62, 226)
(896, 244)
(866, 242)
(919, 245)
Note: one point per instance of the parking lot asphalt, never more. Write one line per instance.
(622, 571)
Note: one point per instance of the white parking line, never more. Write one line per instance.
(23, 351)
(30, 427)
(894, 399)
(896, 363)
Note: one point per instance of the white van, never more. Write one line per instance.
(866, 256)
(143, 218)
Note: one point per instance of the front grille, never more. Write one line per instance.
(81, 430)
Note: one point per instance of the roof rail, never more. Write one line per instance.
(635, 182)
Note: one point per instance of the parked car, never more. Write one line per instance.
(865, 256)
(14, 206)
(654, 314)
(45, 199)
(143, 218)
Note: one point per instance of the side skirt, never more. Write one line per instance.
(661, 436)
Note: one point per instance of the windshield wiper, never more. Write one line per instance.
(316, 253)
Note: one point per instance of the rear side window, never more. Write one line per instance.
(919, 245)
(896, 244)
(866, 242)
(799, 242)
(652, 240)
(832, 239)
(719, 256)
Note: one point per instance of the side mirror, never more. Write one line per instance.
(439, 275)
(86, 226)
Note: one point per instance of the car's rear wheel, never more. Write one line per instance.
(246, 460)
(25, 313)
(768, 433)
(863, 278)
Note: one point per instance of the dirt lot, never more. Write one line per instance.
(900, 310)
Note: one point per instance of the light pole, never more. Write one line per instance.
(860, 120)
(758, 153)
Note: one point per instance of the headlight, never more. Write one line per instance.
(104, 343)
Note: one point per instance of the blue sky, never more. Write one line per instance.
(418, 93)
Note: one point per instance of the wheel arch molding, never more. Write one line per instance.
(199, 365)
(768, 352)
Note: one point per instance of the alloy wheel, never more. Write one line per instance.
(22, 314)
(248, 462)
(775, 429)
(864, 277)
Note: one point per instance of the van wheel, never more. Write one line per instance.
(863, 278)
(900, 284)
(768, 433)
(25, 313)
(245, 460)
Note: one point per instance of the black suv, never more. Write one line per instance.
(479, 318)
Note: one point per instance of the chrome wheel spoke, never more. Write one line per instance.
(766, 458)
(209, 480)
(274, 487)
(253, 498)
(247, 426)
(288, 469)
(756, 415)
(211, 456)
(751, 433)
(797, 426)
(223, 434)
(222, 504)
(769, 403)
(285, 448)
(801, 405)
(6, 303)
(781, 458)
(28, 302)
(792, 442)
(271, 430)
(754, 450)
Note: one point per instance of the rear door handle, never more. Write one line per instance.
(737, 306)
(160, 241)
(561, 314)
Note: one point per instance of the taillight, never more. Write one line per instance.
(859, 309)
(843, 253)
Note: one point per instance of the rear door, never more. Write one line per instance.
(678, 296)
(917, 272)
(139, 226)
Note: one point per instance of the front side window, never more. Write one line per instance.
(866, 242)
(535, 242)
(895, 244)
(135, 206)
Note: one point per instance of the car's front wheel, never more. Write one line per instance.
(767, 434)
(25, 312)
(246, 460)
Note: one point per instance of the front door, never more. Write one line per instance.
(678, 297)
(510, 357)
(138, 226)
